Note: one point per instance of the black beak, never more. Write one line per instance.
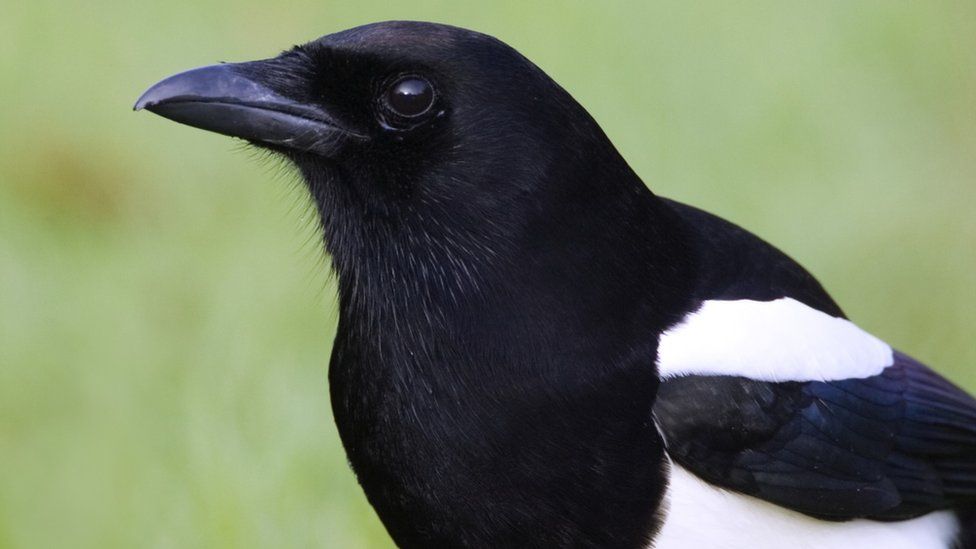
(219, 98)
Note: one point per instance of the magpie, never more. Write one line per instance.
(534, 350)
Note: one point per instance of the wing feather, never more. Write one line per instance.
(889, 447)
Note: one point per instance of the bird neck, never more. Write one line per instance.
(499, 394)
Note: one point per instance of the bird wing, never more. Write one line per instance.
(890, 446)
(768, 390)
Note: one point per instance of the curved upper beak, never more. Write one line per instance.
(221, 99)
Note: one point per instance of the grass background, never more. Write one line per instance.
(166, 316)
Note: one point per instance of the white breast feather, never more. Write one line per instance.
(701, 516)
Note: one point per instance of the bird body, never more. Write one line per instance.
(534, 350)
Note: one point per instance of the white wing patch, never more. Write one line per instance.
(781, 340)
(699, 515)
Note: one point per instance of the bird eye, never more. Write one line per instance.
(410, 96)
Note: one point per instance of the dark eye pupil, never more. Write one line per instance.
(410, 96)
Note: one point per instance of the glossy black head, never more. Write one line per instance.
(399, 120)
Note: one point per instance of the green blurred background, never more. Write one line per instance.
(166, 314)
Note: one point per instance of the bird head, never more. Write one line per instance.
(406, 114)
(428, 147)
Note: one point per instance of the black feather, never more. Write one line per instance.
(887, 447)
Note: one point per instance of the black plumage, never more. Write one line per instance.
(887, 447)
(504, 282)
